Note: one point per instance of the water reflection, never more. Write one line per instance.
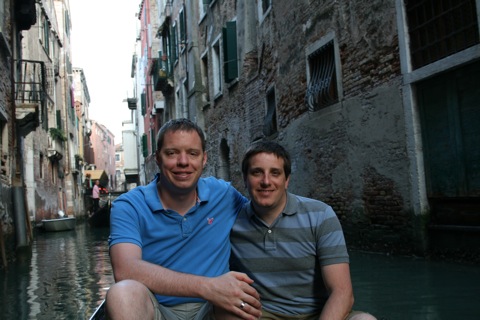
(64, 276)
(401, 288)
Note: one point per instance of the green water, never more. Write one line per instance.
(66, 275)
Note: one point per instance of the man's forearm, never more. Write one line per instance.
(161, 280)
(337, 307)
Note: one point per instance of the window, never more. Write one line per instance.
(4, 150)
(40, 165)
(201, 9)
(438, 29)
(270, 120)
(205, 85)
(217, 70)
(2, 17)
(45, 36)
(174, 44)
(322, 88)
(117, 157)
(230, 51)
(152, 141)
(183, 31)
(224, 165)
(143, 102)
(144, 145)
(166, 54)
(181, 108)
(264, 7)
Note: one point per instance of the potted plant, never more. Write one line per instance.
(57, 134)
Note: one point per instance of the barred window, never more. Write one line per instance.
(322, 88)
(439, 28)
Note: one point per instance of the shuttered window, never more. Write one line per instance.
(143, 98)
(144, 145)
(230, 51)
(174, 44)
(183, 31)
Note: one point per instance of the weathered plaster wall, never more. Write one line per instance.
(351, 154)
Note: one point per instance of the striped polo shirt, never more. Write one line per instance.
(284, 259)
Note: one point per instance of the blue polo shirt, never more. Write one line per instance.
(196, 243)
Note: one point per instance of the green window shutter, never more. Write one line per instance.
(230, 51)
(152, 139)
(144, 145)
(183, 33)
(174, 45)
(144, 103)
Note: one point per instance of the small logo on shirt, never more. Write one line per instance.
(210, 220)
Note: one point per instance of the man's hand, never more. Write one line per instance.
(233, 293)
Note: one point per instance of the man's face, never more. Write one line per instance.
(266, 183)
(181, 160)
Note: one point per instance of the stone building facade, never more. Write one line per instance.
(41, 156)
(103, 147)
(375, 100)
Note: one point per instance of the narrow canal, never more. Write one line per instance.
(67, 274)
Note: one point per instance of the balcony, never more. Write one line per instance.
(161, 75)
(55, 144)
(31, 94)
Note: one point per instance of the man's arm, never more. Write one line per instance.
(226, 292)
(339, 285)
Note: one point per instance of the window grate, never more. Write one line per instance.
(322, 88)
(439, 28)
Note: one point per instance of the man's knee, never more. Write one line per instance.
(360, 316)
(128, 296)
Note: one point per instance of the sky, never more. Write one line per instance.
(102, 42)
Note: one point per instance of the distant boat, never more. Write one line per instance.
(101, 218)
(59, 224)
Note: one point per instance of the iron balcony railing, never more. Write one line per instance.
(32, 83)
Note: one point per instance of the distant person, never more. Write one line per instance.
(169, 240)
(292, 247)
(96, 196)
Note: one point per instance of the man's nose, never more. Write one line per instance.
(182, 159)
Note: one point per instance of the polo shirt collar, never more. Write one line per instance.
(153, 199)
(290, 209)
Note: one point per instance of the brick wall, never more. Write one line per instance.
(352, 154)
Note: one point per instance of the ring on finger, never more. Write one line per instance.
(242, 305)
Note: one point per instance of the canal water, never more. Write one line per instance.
(65, 275)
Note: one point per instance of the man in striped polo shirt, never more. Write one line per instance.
(292, 247)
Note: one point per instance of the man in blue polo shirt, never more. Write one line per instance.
(292, 247)
(169, 240)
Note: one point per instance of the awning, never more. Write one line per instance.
(97, 175)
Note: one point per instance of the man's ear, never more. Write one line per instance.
(205, 157)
